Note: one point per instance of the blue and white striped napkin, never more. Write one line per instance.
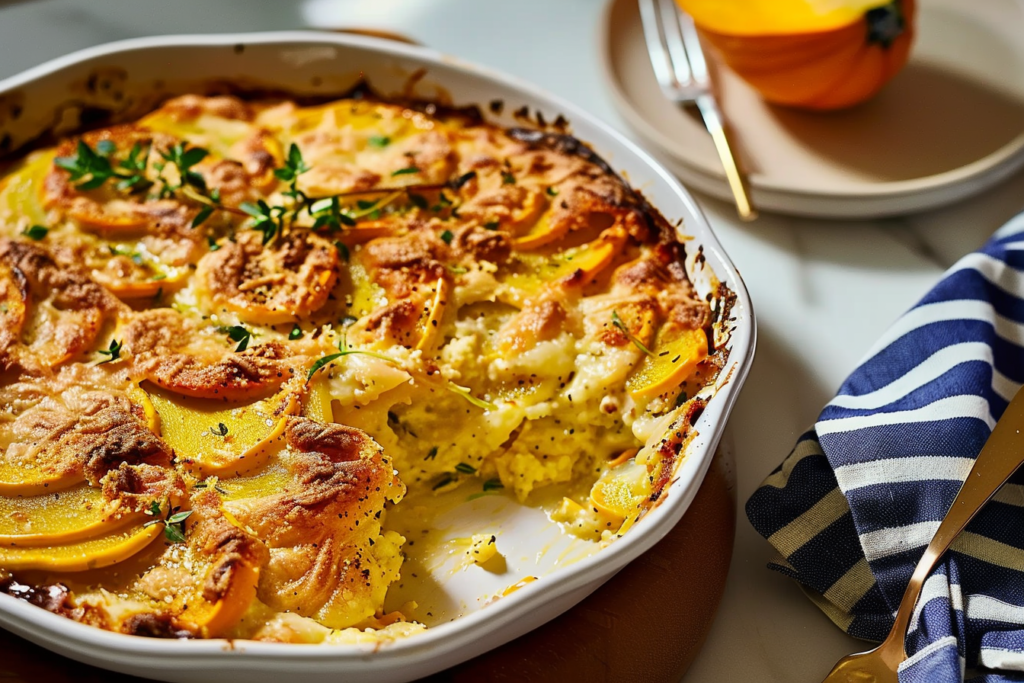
(853, 506)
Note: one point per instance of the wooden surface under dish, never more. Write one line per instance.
(647, 623)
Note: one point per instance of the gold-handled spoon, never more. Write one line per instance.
(1002, 455)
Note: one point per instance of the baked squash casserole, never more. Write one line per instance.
(235, 335)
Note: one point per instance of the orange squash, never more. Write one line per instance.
(809, 54)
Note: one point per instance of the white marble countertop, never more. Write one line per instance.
(823, 290)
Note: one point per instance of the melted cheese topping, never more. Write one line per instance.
(244, 329)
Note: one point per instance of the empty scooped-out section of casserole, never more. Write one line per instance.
(238, 339)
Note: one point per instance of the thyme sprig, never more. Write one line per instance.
(174, 521)
(36, 232)
(184, 158)
(91, 168)
(343, 350)
(617, 322)
(467, 394)
(327, 213)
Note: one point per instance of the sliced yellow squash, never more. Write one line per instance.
(139, 397)
(57, 518)
(214, 618)
(673, 359)
(588, 260)
(435, 314)
(619, 492)
(317, 404)
(79, 557)
(544, 231)
(37, 479)
(216, 134)
(271, 480)
(21, 191)
(213, 440)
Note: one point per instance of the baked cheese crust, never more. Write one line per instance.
(233, 334)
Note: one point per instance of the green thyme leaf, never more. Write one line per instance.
(241, 335)
(431, 454)
(105, 148)
(174, 533)
(201, 217)
(493, 485)
(87, 168)
(112, 353)
(220, 430)
(406, 171)
(296, 333)
(36, 232)
(294, 165)
(465, 469)
(322, 362)
(342, 249)
(443, 481)
(379, 141)
(179, 517)
(465, 393)
(447, 236)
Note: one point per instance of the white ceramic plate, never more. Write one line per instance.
(466, 621)
(948, 126)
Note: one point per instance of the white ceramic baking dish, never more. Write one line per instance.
(56, 95)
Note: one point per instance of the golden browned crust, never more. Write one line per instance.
(54, 310)
(316, 530)
(270, 284)
(98, 443)
(14, 300)
(171, 351)
(190, 107)
(226, 545)
(133, 488)
(398, 264)
(344, 480)
(540, 320)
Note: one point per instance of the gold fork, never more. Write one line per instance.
(1002, 455)
(682, 72)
